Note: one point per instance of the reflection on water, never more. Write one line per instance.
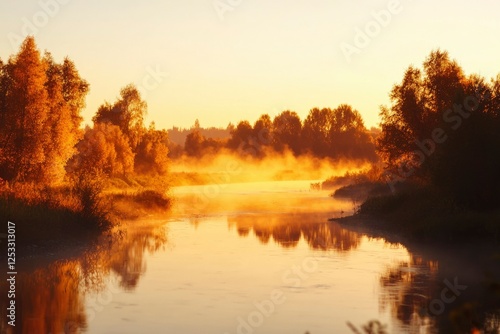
(229, 254)
(51, 299)
(48, 300)
(406, 289)
(444, 290)
(288, 229)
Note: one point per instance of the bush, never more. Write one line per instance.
(88, 187)
(141, 203)
(152, 199)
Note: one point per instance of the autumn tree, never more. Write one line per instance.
(105, 148)
(4, 87)
(74, 91)
(25, 103)
(152, 152)
(127, 113)
(40, 105)
(66, 93)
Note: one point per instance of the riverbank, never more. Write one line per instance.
(46, 218)
(425, 214)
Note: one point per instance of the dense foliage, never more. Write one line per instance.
(443, 128)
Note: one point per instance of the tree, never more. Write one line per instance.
(316, 130)
(418, 104)
(196, 124)
(194, 143)
(4, 88)
(286, 132)
(348, 135)
(442, 128)
(40, 105)
(241, 137)
(262, 132)
(74, 91)
(25, 107)
(66, 93)
(127, 113)
(152, 152)
(105, 148)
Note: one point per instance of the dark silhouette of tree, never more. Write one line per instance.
(287, 127)
(196, 124)
(443, 129)
(418, 106)
(467, 163)
(178, 135)
(348, 136)
(262, 132)
(194, 144)
(241, 137)
(316, 131)
(338, 133)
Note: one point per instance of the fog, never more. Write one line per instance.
(228, 167)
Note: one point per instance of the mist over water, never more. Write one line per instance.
(228, 167)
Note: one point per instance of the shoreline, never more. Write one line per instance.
(379, 227)
(370, 225)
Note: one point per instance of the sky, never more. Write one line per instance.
(222, 61)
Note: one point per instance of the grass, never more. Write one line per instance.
(371, 175)
(414, 211)
(133, 205)
(83, 207)
(425, 213)
(43, 214)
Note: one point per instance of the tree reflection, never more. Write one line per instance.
(127, 259)
(48, 300)
(288, 229)
(52, 299)
(406, 291)
(410, 288)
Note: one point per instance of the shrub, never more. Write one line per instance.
(88, 187)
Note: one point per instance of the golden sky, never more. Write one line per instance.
(223, 61)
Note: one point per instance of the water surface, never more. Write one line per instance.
(245, 258)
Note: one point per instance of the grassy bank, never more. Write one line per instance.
(80, 210)
(425, 213)
(50, 214)
(137, 204)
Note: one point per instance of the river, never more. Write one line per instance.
(253, 258)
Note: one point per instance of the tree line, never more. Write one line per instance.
(337, 133)
(41, 139)
(441, 129)
(40, 106)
